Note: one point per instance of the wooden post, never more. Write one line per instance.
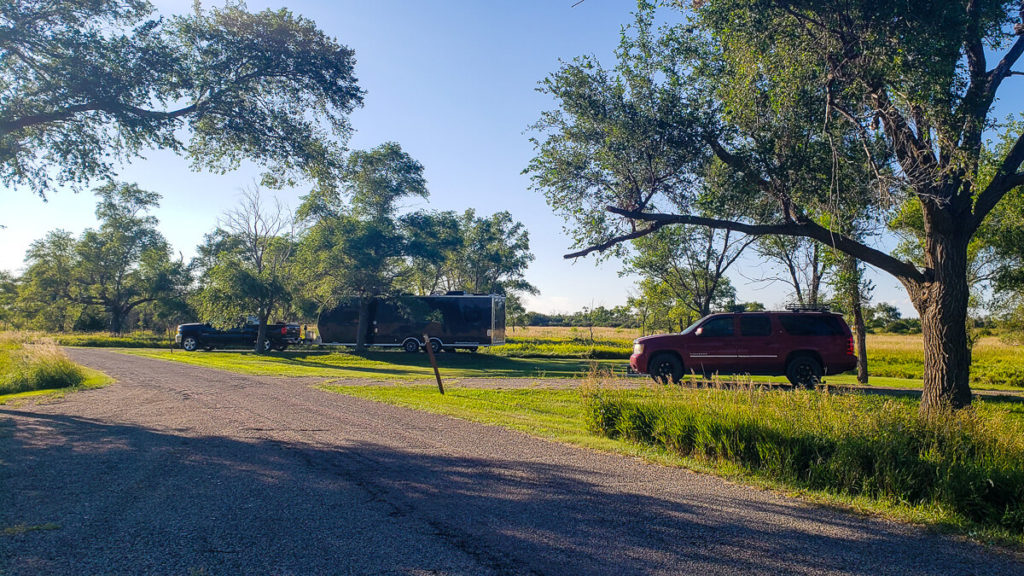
(433, 362)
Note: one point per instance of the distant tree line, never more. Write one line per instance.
(261, 261)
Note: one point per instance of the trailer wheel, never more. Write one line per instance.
(411, 345)
(435, 346)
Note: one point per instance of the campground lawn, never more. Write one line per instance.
(389, 365)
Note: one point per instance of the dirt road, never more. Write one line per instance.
(182, 470)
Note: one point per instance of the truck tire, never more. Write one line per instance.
(804, 370)
(189, 344)
(665, 368)
(411, 345)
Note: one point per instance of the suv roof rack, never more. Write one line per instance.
(800, 308)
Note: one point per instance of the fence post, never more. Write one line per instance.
(433, 362)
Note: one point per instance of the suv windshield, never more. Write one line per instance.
(692, 327)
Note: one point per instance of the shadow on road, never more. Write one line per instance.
(128, 500)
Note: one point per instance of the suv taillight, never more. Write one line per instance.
(849, 346)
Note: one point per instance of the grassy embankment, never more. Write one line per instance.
(33, 365)
(963, 473)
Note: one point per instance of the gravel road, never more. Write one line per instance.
(183, 470)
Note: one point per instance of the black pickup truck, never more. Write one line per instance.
(192, 337)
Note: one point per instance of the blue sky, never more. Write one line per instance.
(453, 82)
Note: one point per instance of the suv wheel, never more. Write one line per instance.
(665, 368)
(267, 345)
(189, 344)
(804, 371)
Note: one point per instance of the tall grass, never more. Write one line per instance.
(969, 464)
(106, 340)
(32, 363)
(902, 356)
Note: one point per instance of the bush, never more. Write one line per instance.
(26, 366)
(105, 340)
(969, 462)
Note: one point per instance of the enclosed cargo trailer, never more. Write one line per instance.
(451, 321)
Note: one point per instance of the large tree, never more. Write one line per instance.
(123, 264)
(354, 245)
(465, 252)
(766, 80)
(246, 265)
(126, 262)
(47, 288)
(690, 262)
(89, 84)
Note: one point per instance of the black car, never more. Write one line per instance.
(192, 337)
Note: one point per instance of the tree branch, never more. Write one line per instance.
(8, 126)
(616, 240)
(1006, 179)
(806, 228)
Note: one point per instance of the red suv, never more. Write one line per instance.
(802, 345)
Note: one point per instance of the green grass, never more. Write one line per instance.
(893, 360)
(964, 473)
(554, 347)
(29, 364)
(964, 469)
(390, 365)
(555, 414)
(106, 340)
(93, 379)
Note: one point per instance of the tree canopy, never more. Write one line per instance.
(795, 100)
(89, 84)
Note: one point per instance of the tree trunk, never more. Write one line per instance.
(116, 320)
(852, 276)
(261, 333)
(942, 303)
(364, 322)
(862, 337)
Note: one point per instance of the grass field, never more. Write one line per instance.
(388, 365)
(894, 361)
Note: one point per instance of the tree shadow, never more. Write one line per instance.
(129, 500)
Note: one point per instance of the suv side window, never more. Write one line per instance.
(759, 325)
(717, 327)
(798, 325)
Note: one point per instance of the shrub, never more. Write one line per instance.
(27, 366)
(969, 462)
(105, 340)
